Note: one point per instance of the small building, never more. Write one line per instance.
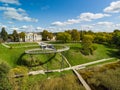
(32, 37)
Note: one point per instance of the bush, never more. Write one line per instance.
(4, 82)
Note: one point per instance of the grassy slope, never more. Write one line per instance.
(75, 57)
(10, 55)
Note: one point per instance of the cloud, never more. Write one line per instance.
(30, 28)
(68, 22)
(58, 23)
(105, 23)
(105, 26)
(83, 17)
(39, 28)
(91, 16)
(10, 2)
(14, 28)
(113, 8)
(17, 14)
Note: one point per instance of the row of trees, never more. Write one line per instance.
(87, 38)
(15, 36)
(112, 38)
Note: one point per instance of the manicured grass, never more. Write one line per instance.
(75, 57)
(22, 44)
(12, 55)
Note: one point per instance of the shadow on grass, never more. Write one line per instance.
(49, 59)
(42, 63)
(113, 53)
(21, 62)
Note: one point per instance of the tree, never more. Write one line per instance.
(22, 36)
(4, 82)
(15, 36)
(87, 47)
(75, 35)
(4, 34)
(64, 37)
(116, 38)
(10, 36)
(82, 33)
(50, 35)
(44, 35)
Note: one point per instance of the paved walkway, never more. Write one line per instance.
(81, 66)
(5, 45)
(74, 68)
(78, 75)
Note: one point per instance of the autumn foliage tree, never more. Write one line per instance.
(4, 82)
(87, 45)
(75, 35)
(63, 37)
(18, 83)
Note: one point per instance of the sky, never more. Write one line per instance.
(59, 15)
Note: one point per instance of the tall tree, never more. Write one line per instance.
(4, 34)
(64, 37)
(22, 36)
(50, 35)
(44, 34)
(15, 36)
(87, 45)
(75, 35)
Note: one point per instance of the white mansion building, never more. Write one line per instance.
(32, 37)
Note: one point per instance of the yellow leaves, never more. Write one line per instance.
(17, 82)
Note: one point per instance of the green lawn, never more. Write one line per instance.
(75, 57)
(22, 44)
(12, 55)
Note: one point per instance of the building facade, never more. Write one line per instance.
(32, 37)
